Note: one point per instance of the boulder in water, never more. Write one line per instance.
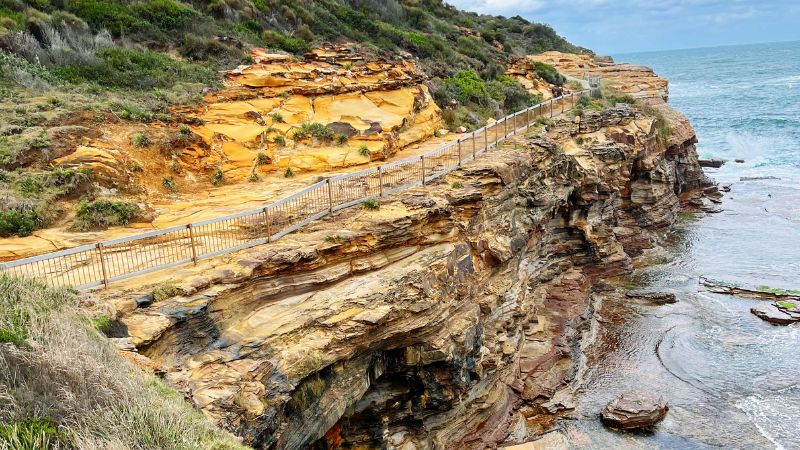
(635, 409)
(713, 163)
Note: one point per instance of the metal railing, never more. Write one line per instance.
(108, 261)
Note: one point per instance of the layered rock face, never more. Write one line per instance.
(378, 105)
(448, 318)
(638, 81)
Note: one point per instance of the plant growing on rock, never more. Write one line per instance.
(218, 177)
(457, 185)
(101, 214)
(341, 139)
(140, 140)
(276, 117)
(169, 184)
(288, 173)
(371, 204)
(363, 150)
(184, 130)
(261, 159)
(279, 140)
(253, 178)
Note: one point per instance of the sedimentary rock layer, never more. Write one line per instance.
(448, 318)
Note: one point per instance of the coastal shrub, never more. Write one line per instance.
(253, 177)
(279, 140)
(117, 67)
(341, 139)
(363, 150)
(288, 173)
(549, 73)
(165, 291)
(102, 324)
(276, 117)
(202, 48)
(290, 44)
(261, 159)
(457, 185)
(19, 222)
(101, 214)
(140, 140)
(371, 204)
(184, 130)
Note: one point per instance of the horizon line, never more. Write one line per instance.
(702, 47)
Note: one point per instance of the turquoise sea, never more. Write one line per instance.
(731, 379)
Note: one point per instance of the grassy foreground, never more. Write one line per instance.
(63, 386)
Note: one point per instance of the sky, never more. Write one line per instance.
(612, 27)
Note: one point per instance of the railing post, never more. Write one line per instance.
(102, 263)
(330, 196)
(422, 159)
(486, 139)
(551, 108)
(191, 241)
(473, 145)
(380, 181)
(515, 124)
(459, 152)
(527, 117)
(268, 220)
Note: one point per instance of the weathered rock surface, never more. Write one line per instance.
(638, 81)
(776, 314)
(653, 297)
(635, 409)
(438, 321)
(381, 105)
(713, 163)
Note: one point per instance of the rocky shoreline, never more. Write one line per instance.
(450, 317)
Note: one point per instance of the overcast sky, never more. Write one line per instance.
(620, 26)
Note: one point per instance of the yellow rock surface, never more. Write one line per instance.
(378, 104)
(638, 81)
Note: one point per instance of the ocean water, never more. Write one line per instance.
(731, 379)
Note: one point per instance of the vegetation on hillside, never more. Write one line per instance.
(62, 386)
(68, 66)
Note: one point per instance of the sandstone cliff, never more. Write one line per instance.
(449, 318)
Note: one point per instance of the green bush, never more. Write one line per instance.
(549, 73)
(184, 130)
(315, 129)
(112, 15)
(136, 69)
(279, 140)
(363, 150)
(289, 173)
(169, 15)
(276, 117)
(371, 204)
(289, 44)
(140, 140)
(19, 222)
(101, 214)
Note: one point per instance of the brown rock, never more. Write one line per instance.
(635, 409)
(773, 314)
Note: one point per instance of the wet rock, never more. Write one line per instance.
(635, 409)
(713, 163)
(659, 298)
(773, 314)
(739, 161)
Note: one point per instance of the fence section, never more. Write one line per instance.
(99, 264)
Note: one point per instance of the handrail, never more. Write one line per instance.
(97, 264)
